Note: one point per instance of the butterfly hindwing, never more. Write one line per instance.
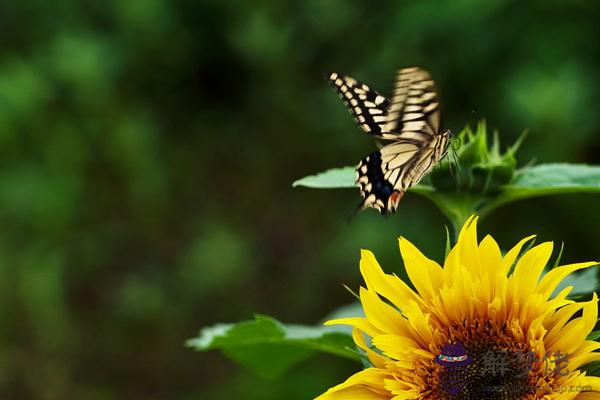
(374, 188)
(381, 175)
(368, 107)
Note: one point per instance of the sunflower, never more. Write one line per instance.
(485, 326)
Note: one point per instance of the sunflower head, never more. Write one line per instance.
(483, 326)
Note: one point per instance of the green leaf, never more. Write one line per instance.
(348, 311)
(583, 283)
(548, 179)
(559, 177)
(331, 179)
(595, 335)
(592, 369)
(268, 347)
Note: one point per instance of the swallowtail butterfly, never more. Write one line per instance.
(410, 122)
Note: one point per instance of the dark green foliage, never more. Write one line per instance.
(146, 151)
(595, 335)
(592, 368)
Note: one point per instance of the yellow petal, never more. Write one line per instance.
(465, 253)
(376, 359)
(401, 390)
(594, 382)
(556, 322)
(551, 280)
(364, 385)
(357, 322)
(585, 354)
(588, 396)
(395, 346)
(353, 393)
(383, 316)
(530, 266)
(551, 306)
(409, 394)
(389, 286)
(419, 322)
(591, 317)
(575, 331)
(425, 274)
(512, 254)
(468, 248)
(490, 255)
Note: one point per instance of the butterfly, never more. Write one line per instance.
(412, 124)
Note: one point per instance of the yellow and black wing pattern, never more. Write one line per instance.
(368, 107)
(411, 120)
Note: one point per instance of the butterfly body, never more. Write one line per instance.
(411, 125)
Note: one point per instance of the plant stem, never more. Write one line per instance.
(457, 207)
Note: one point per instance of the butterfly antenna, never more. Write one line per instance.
(456, 163)
(451, 166)
(454, 122)
(453, 158)
(456, 140)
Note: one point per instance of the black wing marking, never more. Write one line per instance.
(374, 188)
(368, 107)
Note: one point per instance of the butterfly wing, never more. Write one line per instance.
(414, 112)
(381, 175)
(368, 107)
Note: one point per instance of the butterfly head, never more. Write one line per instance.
(454, 140)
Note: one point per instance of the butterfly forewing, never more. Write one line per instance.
(414, 110)
(368, 107)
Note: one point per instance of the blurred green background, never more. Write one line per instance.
(147, 150)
